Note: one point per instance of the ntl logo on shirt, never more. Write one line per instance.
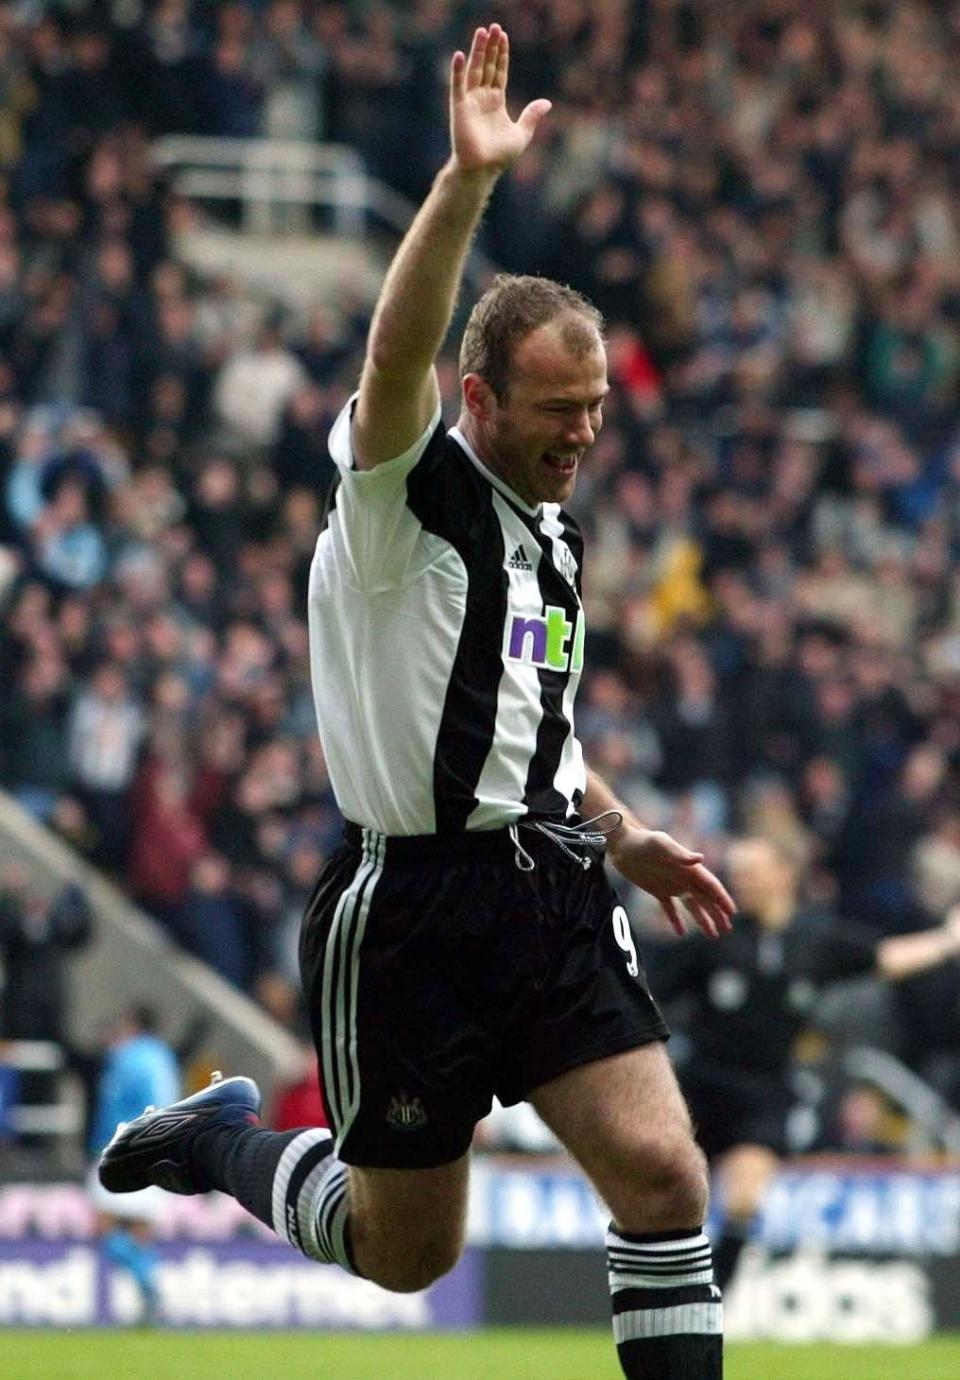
(543, 641)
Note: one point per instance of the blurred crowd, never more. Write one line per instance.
(762, 197)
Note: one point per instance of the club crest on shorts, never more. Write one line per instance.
(406, 1113)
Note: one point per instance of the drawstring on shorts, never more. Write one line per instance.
(566, 837)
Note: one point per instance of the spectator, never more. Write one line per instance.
(106, 728)
(67, 547)
(168, 834)
(288, 62)
(255, 386)
(35, 735)
(37, 935)
(212, 921)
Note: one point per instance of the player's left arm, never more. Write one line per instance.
(658, 864)
(906, 955)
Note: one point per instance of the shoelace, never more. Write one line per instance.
(585, 834)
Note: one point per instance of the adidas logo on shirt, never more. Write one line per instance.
(518, 561)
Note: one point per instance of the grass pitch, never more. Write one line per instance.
(485, 1355)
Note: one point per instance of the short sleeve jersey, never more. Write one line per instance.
(446, 643)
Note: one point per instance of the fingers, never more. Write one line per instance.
(533, 114)
(489, 59)
(475, 61)
(458, 84)
(708, 903)
(702, 916)
(496, 39)
(669, 907)
(711, 891)
(503, 63)
(721, 913)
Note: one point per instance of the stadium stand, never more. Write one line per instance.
(760, 196)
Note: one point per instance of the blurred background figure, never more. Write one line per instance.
(39, 934)
(138, 1069)
(105, 730)
(299, 1102)
(742, 1006)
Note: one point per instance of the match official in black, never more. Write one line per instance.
(752, 997)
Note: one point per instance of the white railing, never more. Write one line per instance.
(59, 1117)
(933, 1120)
(270, 178)
(268, 175)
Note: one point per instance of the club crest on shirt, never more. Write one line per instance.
(406, 1113)
(565, 563)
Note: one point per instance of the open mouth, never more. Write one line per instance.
(564, 464)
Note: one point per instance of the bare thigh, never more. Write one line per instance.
(625, 1120)
(407, 1226)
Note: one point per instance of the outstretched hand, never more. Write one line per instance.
(483, 136)
(677, 878)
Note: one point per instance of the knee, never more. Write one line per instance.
(675, 1170)
(407, 1267)
(745, 1175)
(667, 1186)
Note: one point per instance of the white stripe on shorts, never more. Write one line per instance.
(341, 976)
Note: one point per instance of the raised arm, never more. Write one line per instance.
(398, 385)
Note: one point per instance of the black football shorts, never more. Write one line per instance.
(439, 974)
(735, 1106)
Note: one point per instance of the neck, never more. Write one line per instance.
(467, 425)
(480, 444)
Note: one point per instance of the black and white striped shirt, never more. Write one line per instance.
(446, 643)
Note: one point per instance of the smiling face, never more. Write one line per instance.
(535, 436)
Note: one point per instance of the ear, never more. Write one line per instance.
(478, 397)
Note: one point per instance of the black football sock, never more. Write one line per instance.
(667, 1311)
(727, 1251)
(291, 1180)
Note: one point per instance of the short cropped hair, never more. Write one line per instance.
(512, 307)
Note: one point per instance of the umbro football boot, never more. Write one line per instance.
(154, 1148)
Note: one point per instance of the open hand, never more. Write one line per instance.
(676, 877)
(483, 136)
